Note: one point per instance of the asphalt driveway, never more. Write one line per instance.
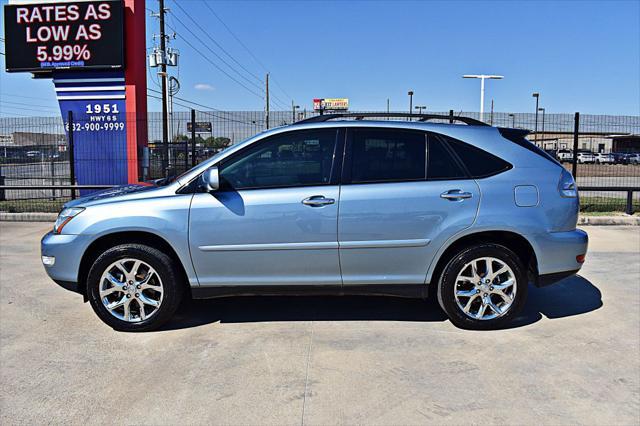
(573, 356)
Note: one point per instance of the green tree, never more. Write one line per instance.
(217, 143)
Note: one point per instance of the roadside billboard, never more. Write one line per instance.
(64, 35)
(331, 104)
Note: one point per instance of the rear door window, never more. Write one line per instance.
(386, 155)
(441, 163)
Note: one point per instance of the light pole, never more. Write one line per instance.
(420, 108)
(482, 78)
(410, 93)
(513, 120)
(543, 111)
(293, 111)
(537, 96)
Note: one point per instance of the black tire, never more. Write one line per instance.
(166, 268)
(447, 286)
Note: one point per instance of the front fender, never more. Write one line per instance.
(165, 217)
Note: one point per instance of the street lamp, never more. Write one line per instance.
(482, 78)
(410, 93)
(420, 108)
(543, 111)
(513, 120)
(293, 112)
(537, 96)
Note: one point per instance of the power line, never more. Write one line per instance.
(218, 44)
(255, 58)
(33, 105)
(203, 106)
(22, 96)
(22, 108)
(212, 51)
(275, 98)
(213, 63)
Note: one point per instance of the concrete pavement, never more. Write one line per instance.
(573, 356)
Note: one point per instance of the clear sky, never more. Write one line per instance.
(580, 55)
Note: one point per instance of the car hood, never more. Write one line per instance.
(115, 194)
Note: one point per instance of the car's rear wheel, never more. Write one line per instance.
(133, 287)
(483, 287)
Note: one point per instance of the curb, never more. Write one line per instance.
(582, 220)
(28, 217)
(609, 220)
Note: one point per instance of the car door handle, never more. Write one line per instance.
(456, 194)
(318, 201)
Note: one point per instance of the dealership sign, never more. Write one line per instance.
(201, 127)
(332, 104)
(64, 35)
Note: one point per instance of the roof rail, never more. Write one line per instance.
(420, 117)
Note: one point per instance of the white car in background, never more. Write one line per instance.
(602, 158)
(586, 157)
(564, 156)
(633, 159)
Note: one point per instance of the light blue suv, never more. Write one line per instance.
(331, 205)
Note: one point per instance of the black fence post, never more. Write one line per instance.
(3, 197)
(576, 133)
(451, 116)
(193, 138)
(72, 164)
(629, 209)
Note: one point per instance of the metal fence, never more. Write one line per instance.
(36, 163)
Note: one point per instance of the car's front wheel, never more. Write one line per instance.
(483, 287)
(133, 287)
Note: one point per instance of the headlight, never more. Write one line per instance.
(64, 217)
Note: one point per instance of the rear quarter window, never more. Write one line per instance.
(479, 163)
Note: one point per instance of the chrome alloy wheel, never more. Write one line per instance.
(485, 288)
(131, 290)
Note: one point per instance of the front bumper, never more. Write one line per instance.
(67, 250)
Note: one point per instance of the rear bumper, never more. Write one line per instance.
(548, 279)
(557, 253)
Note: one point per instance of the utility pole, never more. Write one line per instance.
(163, 75)
(266, 117)
(410, 93)
(387, 106)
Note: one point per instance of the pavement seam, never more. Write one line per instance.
(306, 376)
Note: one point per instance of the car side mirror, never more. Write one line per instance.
(211, 179)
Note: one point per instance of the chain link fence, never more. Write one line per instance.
(35, 152)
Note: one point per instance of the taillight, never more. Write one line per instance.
(567, 185)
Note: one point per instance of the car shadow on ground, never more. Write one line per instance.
(571, 296)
